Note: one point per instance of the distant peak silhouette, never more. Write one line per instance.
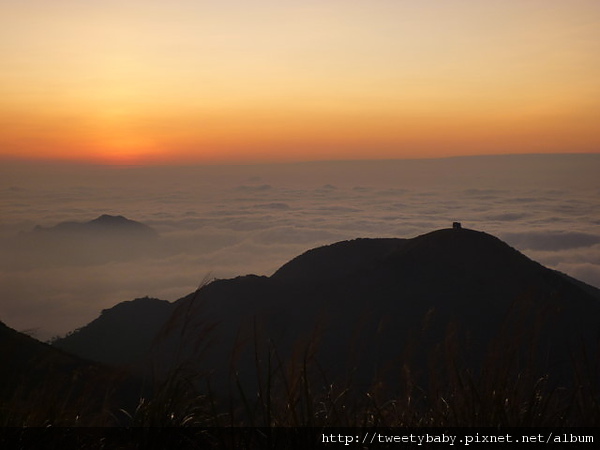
(103, 223)
(108, 219)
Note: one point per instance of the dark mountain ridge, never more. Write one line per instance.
(337, 260)
(363, 301)
(39, 382)
(122, 335)
(366, 308)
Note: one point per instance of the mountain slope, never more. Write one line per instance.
(365, 303)
(122, 334)
(40, 384)
(366, 308)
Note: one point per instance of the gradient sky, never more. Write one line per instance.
(150, 81)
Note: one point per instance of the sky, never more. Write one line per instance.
(157, 82)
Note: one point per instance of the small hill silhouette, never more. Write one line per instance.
(105, 238)
(103, 224)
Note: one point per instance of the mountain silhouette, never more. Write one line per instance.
(21, 352)
(101, 225)
(105, 238)
(122, 334)
(38, 381)
(363, 309)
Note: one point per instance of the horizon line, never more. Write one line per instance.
(24, 161)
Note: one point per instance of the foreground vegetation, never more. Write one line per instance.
(509, 388)
(184, 411)
(500, 394)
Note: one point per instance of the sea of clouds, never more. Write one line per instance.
(224, 221)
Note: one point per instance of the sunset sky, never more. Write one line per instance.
(151, 81)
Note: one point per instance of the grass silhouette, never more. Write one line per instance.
(510, 388)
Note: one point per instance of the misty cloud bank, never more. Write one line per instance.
(220, 222)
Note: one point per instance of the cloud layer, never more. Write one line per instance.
(227, 221)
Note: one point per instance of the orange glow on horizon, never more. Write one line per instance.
(336, 80)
